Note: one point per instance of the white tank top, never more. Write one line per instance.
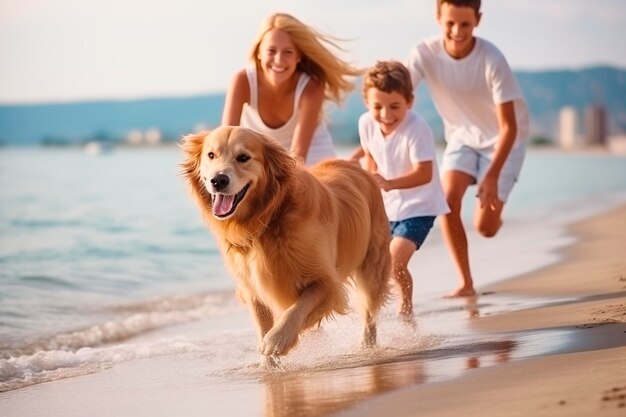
(321, 144)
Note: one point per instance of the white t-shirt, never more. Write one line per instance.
(322, 142)
(465, 91)
(395, 155)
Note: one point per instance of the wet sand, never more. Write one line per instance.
(583, 302)
(551, 342)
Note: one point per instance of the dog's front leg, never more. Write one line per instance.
(263, 318)
(259, 311)
(369, 331)
(284, 335)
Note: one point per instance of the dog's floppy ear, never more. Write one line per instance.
(192, 148)
(279, 163)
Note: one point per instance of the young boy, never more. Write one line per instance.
(399, 150)
(485, 119)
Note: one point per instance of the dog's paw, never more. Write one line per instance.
(272, 363)
(369, 337)
(277, 342)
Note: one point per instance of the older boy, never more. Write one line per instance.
(399, 150)
(485, 119)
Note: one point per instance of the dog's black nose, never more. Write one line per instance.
(220, 181)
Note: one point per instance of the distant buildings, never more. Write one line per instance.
(595, 125)
(617, 144)
(594, 128)
(151, 136)
(568, 128)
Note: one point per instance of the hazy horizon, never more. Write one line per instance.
(174, 96)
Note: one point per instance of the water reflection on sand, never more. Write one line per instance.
(316, 393)
(319, 381)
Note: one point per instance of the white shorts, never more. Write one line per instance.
(475, 162)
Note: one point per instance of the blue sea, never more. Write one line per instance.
(100, 249)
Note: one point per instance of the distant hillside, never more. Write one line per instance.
(546, 92)
(106, 120)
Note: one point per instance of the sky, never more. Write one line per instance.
(83, 50)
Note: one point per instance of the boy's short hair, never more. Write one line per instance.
(474, 4)
(389, 77)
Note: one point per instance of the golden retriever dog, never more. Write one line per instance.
(291, 236)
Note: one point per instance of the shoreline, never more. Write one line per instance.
(584, 297)
(550, 341)
(534, 219)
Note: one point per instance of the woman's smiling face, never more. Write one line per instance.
(278, 56)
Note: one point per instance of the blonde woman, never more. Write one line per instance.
(282, 91)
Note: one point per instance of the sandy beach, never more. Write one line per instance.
(551, 342)
(586, 377)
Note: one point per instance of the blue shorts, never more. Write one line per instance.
(415, 229)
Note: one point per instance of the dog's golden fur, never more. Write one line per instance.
(291, 236)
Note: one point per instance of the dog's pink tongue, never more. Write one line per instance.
(223, 204)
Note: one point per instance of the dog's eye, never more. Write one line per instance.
(243, 158)
(211, 155)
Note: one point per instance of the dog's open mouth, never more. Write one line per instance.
(224, 205)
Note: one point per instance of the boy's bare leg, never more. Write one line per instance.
(455, 184)
(401, 251)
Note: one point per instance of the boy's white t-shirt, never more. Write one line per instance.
(395, 155)
(465, 91)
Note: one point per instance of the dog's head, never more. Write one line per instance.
(235, 172)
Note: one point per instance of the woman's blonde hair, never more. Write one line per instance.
(316, 59)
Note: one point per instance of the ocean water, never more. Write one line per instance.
(97, 251)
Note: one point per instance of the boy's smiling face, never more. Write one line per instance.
(388, 109)
(457, 24)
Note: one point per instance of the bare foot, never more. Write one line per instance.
(406, 315)
(461, 292)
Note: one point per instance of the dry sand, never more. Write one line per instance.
(585, 378)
